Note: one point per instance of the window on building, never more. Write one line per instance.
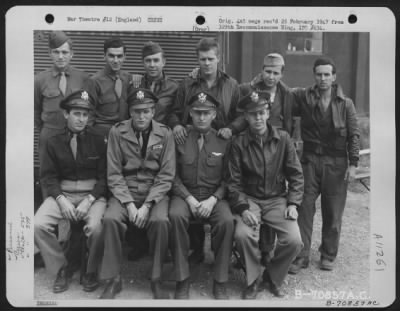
(304, 42)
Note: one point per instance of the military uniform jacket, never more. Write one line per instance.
(288, 99)
(109, 109)
(226, 91)
(165, 89)
(261, 170)
(201, 169)
(59, 163)
(47, 95)
(346, 137)
(129, 174)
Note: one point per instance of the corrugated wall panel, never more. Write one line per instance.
(179, 48)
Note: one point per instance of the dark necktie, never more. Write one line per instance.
(74, 144)
(200, 141)
(63, 83)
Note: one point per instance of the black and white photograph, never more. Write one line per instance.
(225, 161)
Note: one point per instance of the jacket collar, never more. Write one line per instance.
(271, 134)
(127, 132)
(220, 76)
(337, 91)
(55, 72)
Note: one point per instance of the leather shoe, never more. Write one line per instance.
(219, 290)
(298, 264)
(182, 289)
(275, 290)
(158, 293)
(251, 291)
(61, 283)
(113, 287)
(326, 264)
(90, 282)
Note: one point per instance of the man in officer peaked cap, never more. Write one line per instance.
(261, 160)
(73, 174)
(282, 99)
(198, 194)
(140, 169)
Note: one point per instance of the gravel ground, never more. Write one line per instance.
(351, 273)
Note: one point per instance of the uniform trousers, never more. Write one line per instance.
(289, 244)
(323, 175)
(48, 217)
(222, 227)
(115, 224)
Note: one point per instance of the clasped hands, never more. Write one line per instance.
(203, 208)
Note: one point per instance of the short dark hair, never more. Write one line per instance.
(325, 61)
(207, 44)
(113, 42)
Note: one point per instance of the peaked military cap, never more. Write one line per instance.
(255, 101)
(203, 101)
(57, 38)
(141, 98)
(78, 99)
(151, 48)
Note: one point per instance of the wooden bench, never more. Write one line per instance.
(362, 173)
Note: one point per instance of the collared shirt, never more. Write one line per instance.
(47, 95)
(59, 163)
(165, 89)
(203, 168)
(131, 175)
(109, 109)
(259, 166)
(345, 136)
(225, 90)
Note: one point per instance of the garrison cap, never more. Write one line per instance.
(274, 59)
(141, 98)
(57, 38)
(78, 99)
(255, 101)
(151, 48)
(203, 101)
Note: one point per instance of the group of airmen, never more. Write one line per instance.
(120, 150)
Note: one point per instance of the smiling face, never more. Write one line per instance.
(61, 56)
(208, 61)
(114, 58)
(77, 119)
(154, 64)
(324, 77)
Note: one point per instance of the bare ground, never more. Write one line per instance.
(351, 273)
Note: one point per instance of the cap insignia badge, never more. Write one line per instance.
(202, 98)
(85, 96)
(254, 97)
(140, 95)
